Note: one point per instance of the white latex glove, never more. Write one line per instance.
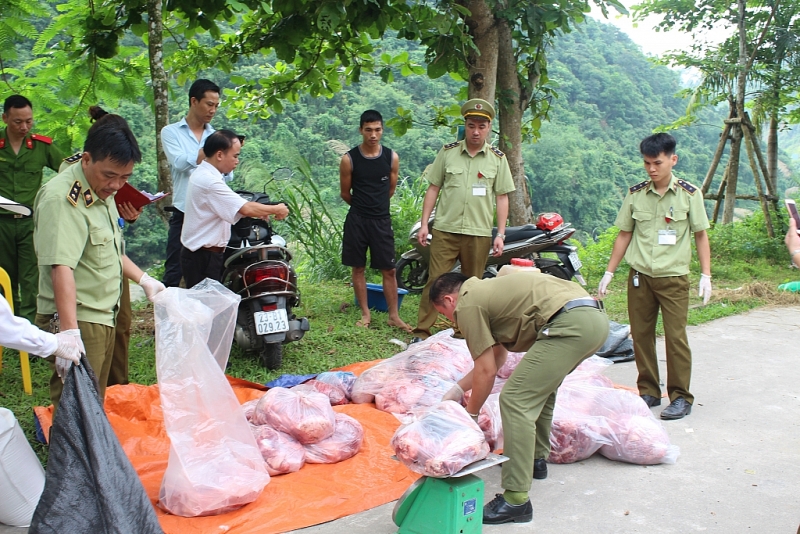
(72, 342)
(705, 288)
(455, 394)
(603, 287)
(151, 286)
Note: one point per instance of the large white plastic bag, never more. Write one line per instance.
(441, 442)
(214, 463)
(417, 377)
(21, 474)
(225, 304)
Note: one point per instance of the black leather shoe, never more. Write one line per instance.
(539, 469)
(676, 409)
(651, 401)
(498, 511)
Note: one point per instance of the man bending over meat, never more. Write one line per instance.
(558, 324)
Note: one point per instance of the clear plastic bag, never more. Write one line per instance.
(307, 416)
(282, 452)
(214, 463)
(440, 442)
(490, 421)
(343, 380)
(344, 443)
(416, 378)
(335, 394)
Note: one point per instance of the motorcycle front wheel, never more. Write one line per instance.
(271, 355)
(411, 275)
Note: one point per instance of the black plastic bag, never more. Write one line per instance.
(618, 346)
(90, 484)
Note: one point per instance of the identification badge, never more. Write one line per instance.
(667, 237)
(478, 190)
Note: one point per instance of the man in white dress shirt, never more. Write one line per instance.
(212, 207)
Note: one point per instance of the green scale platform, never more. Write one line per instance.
(452, 505)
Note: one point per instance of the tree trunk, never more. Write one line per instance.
(158, 75)
(483, 61)
(736, 144)
(772, 152)
(510, 108)
(733, 175)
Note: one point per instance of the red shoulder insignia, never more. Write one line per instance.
(42, 138)
(639, 186)
(3, 142)
(686, 186)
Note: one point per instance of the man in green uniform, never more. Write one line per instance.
(23, 155)
(655, 225)
(79, 246)
(472, 176)
(558, 325)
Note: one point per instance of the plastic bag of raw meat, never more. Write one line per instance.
(426, 365)
(590, 372)
(249, 408)
(440, 442)
(307, 416)
(639, 440)
(343, 444)
(496, 388)
(575, 437)
(282, 452)
(512, 361)
(335, 394)
(490, 422)
(343, 380)
(214, 463)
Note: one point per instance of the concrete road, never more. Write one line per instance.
(739, 467)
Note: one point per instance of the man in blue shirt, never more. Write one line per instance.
(183, 145)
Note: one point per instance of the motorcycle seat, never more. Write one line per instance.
(520, 233)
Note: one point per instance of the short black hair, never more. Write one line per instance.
(200, 87)
(446, 284)
(17, 102)
(220, 140)
(370, 116)
(655, 144)
(111, 137)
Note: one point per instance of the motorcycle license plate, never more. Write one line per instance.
(575, 261)
(271, 322)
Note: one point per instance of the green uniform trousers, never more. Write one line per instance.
(18, 258)
(446, 248)
(98, 340)
(671, 294)
(528, 398)
(122, 336)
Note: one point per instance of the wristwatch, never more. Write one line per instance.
(502, 236)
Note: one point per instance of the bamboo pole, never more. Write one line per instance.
(720, 195)
(723, 140)
(748, 144)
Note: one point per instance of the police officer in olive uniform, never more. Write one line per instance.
(471, 176)
(558, 325)
(23, 155)
(79, 245)
(656, 221)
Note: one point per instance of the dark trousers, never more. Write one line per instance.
(199, 265)
(18, 258)
(172, 265)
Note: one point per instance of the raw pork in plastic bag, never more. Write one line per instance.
(592, 415)
(307, 416)
(512, 360)
(282, 452)
(441, 442)
(214, 463)
(249, 408)
(343, 444)
(490, 422)
(343, 380)
(335, 394)
(417, 377)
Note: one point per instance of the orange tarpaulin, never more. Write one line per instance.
(315, 494)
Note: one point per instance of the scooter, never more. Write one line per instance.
(529, 242)
(257, 266)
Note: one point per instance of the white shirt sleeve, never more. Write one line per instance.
(17, 333)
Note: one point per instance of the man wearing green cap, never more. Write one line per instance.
(472, 177)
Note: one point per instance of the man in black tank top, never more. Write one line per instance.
(367, 179)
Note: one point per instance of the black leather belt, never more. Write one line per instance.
(587, 302)
(215, 250)
(12, 216)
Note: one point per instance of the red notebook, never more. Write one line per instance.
(128, 193)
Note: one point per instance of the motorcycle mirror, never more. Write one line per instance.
(282, 173)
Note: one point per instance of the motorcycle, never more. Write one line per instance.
(257, 266)
(528, 241)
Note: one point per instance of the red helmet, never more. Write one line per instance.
(549, 221)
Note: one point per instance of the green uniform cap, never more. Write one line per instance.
(477, 107)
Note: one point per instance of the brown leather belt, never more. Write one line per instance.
(215, 250)
(587, 302)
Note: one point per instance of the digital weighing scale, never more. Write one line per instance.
(452, 505)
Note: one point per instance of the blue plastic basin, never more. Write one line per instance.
(376, 299)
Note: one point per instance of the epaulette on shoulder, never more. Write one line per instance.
(73, 158)
(497, 152)
(42, 138)
(686, 186)
(451, 145)
(639, 186)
